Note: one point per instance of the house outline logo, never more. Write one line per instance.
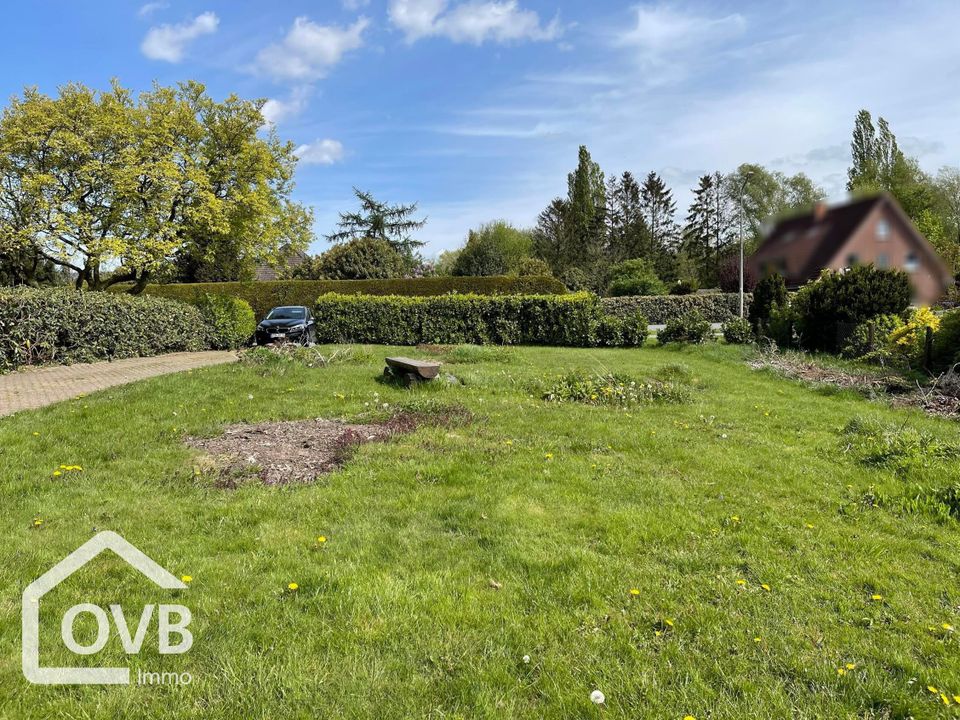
(30, 611)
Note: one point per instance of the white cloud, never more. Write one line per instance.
(472, 22)
(152, 7)
(662, 30)
(309, 50)
(320, 152)
(275, 110)
(354, 4)
(168, 42)
(537, 131)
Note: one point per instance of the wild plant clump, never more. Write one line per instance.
(613, 389)
(277, 359)
(900, 448)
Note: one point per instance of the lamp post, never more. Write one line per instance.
(743, 188)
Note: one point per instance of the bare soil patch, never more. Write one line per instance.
(298, 451)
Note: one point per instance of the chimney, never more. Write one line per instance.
(819, 211)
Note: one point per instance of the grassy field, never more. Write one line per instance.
(715, 558)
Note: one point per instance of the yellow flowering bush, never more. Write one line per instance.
(906, 342)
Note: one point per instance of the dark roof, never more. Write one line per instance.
(268, 272)
(815, 240)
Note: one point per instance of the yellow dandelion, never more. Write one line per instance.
(851, 666)
(37, 522)
(876, 597)
(944, 699)
(57, 473)
(634, 591)
(809, 526)
(932, 689)
(765, 587)
(841, 671)
(741, 582)
(758, 639)
(186, 578)
(735, 518)
(509, 442)
(548, 456)
(689, 717)
(293, 587)
(322, 539)
(36, 434)
(669, 622)
(947, 626)
(956, 698)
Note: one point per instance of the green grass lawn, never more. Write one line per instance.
(453, 552)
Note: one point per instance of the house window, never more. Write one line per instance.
(913, 262)
(883, 261)
(883, 229)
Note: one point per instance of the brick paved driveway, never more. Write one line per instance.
(36, 387)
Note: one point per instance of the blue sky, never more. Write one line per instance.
(475, 109)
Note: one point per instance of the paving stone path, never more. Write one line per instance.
(35, 387)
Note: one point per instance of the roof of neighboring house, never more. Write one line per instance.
(269, 272)
(813, 239)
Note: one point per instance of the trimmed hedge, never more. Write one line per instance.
(64, 325)
(263, 296)
(574, 320)
(660, 309)
(229, 321)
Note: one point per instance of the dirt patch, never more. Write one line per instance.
(298, 451)
(934, 400)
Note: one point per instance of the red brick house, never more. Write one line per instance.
(870, 230)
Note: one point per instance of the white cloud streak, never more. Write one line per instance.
(320, 152)
(169, 42)
(309, 49)
(473, 22)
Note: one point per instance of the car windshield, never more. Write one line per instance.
(287, 313)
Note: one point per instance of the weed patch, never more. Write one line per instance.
(613, 389)
(896, 447)
(279, 359)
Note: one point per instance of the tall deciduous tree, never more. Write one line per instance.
(115, 187)
(763, 196)
(380, 221)
(586, 215)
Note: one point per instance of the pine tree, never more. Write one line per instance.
(380, 221)
(551, 235)
(659, 211)
(627, 234)
(709, 227)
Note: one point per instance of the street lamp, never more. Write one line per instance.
(743, 188)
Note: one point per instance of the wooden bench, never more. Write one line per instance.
(410, 369)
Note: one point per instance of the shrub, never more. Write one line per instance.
(360, 259)
(946, 342)
(729, 277)
(658, 309)
(859, 345)
(634, 277)
(531, 266)
(771, 292)
(64, 325)
(822, 308)
(689, 328)
(496, 248)
(907, 343)
(737, 331)
(630, 331)
(263, 296)
(229, 321)
(567, 320)
(683, 287)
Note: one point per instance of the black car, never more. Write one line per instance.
(289, 323)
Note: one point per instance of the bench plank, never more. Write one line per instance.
(422, 368)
